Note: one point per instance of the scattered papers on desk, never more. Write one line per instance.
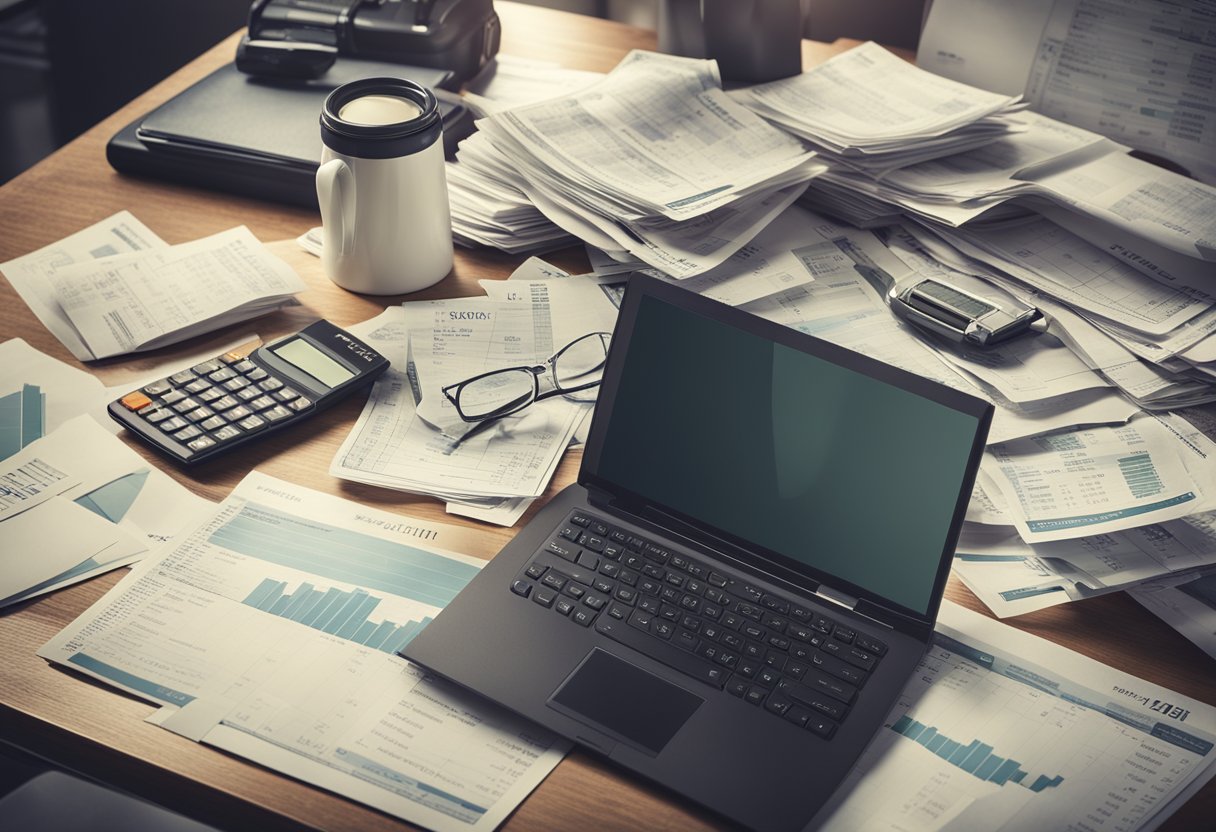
(1185, 602)
(1001, 730)
(78, 502)
(31, 275)
(409, 437)
(285, 654)
(133, 302)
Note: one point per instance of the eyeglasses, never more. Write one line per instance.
(573, 371)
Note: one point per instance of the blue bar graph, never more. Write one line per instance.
(343, 555)
(975, 758)
(344, 614)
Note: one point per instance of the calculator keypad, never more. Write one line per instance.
(215, 402)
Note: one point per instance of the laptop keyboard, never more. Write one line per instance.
(776, 654)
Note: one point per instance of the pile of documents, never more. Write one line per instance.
(653, 162)
(870, 110)
(115, 288)
(409, 436)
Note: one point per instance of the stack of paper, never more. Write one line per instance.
(1148, 332)
(870, 110)
(409, 436)
(655, 161)
(152, 296)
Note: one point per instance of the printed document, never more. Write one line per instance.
(1001, 730)
(132, 302)
(1124, 68)
(1100, 479)
(31, 275)
(285, 653)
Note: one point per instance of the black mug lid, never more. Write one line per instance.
(380, 141)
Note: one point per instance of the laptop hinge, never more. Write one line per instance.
(836, 597)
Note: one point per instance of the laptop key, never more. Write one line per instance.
(687, 640)
(563, 551)
(669, 612)
(755, 695)
(844, 634)
(583, 616)
(649, 604)
(601, 585)
(521, 588)
(815, 681)
(776, 604)
(777, 704)
(618, 611)
(596, 602)
(535, 570)
(553, 580)
(570, 532)
(588, 561)
(625, 595)
(663, 652)
(872, 646)
(580, 519)
(822, 726)
(564, 606)
(610, 569)
(737, 686)
(797, 715)
(544, 597)
(837, 668)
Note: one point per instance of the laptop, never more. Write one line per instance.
(747, 571)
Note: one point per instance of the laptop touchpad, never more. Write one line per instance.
(625, 701)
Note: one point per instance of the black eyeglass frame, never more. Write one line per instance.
(452, 391)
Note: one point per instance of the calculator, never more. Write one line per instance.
(247, 393)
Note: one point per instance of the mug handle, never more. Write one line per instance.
(336, 196)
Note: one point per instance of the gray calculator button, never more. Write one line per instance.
(222, 374)
(235, 384)
(182, 377)
(187, 433)
(244, 366)
(238, 412)
(213, 423)
(248, 394)
(252, 423)
(172, 397)
(157, 388)
(223, 403)
(176, 423)
(200, 414)
(157, 416)
(211, 395)
(286, 394)
(262, 403)
(202, 443)
(277, 413)
(256, 374)
(270, 384)
(206, 367)
(302, 403)
(186, 405)
(226, 433)
(197, 386)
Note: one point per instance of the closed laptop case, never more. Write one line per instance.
(255, 136)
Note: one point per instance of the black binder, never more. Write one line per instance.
(259, 137)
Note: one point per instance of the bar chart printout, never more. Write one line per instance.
(975, 758)
(333, 611)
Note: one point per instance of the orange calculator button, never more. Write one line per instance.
(135, 401)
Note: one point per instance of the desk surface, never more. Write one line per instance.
(86, 726)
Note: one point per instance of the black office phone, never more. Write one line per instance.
(235, 398)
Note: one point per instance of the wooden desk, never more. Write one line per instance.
(85, 726)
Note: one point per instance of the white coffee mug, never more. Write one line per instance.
(386, 223)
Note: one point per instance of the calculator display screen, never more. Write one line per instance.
(299, 353)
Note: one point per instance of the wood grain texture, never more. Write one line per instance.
(84, 725)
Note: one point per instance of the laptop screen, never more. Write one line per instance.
(846, 477)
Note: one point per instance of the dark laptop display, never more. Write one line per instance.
(777, 448)
(746, 573)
